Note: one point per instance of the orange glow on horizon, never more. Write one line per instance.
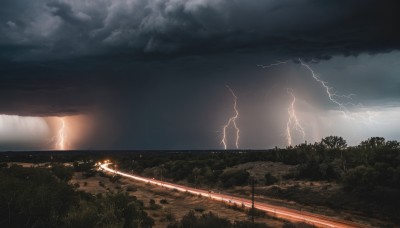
(69, 132)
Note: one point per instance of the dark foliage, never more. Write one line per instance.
(209, 220)
(270, 179)
(41, 197)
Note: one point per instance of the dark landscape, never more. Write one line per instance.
(359, 184)
(199, 113)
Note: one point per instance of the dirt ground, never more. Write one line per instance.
(178, 204)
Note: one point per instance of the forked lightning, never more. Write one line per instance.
(293, 121)
(232, 121)
(61, 136)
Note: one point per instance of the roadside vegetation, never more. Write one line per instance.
(208, 220)
(364, 179)
(373, 164)
(368, 174)
(41, 197)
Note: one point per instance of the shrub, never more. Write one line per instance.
(131, 188)
(153, 205)
(234, 177)
(269, 179)
(169, 216)
(360, 178)
(199, 209)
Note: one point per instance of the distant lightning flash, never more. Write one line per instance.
(293, 121)
(60, 144)
(272, 64)
(328, 90)
(232, 121)
(367, 118)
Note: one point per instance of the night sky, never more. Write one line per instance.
(153, 74)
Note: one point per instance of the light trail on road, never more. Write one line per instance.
(277, 211)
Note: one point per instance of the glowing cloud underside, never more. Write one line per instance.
(232, 121)
(293, 121)
(22, 129)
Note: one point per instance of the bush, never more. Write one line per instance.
(62, 172)
(256, 212)
(169, 216)
(211, 220)
(33, 197)
(248, 224)
(205, 220)
(269, 179)
(360, 178)
(131, 188)
(234, 178)
(112, 210)
(199, 209)
(153, 205)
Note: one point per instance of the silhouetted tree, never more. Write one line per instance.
(334, 143)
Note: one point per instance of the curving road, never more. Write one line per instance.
(282, 212)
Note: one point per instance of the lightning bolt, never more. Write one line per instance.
(329, 90)
(293, 121)
(365, 117)
(60, 144)
(272, 64)
(232, 121)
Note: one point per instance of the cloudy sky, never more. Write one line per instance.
(152, 74)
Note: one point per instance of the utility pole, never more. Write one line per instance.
(252, 201)
(162, 168)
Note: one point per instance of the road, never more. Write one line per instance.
(277, 211)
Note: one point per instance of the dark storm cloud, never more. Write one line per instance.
(58, 29)
(43, 96)
(156, 69)
(65, 12)
(59, 88)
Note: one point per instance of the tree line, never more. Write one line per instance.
(374, 162)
